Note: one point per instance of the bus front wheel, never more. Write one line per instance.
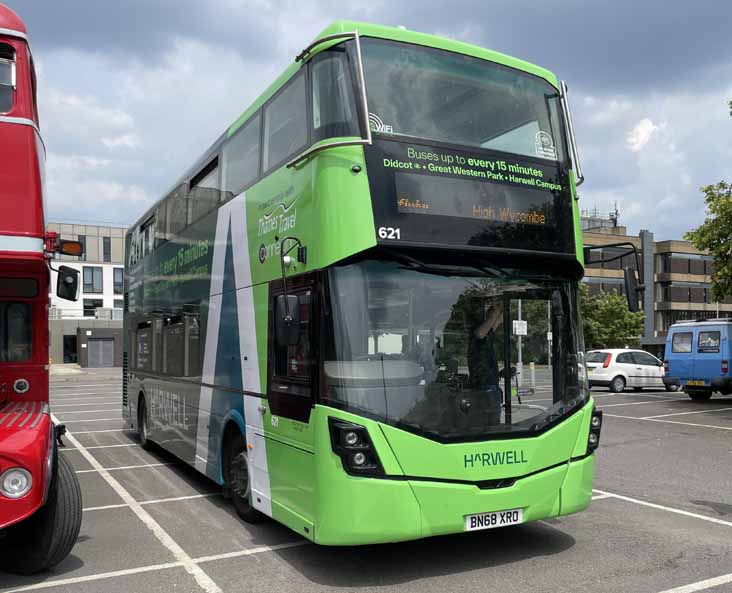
(237, 480)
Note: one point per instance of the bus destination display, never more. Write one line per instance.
(472, 198)
(454, 184)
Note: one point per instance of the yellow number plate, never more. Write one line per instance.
(695, 382)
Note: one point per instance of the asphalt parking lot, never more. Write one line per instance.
(660, 520)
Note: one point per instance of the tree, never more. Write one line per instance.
(607, 322)
(715, 235)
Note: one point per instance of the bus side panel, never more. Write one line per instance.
(340, 176)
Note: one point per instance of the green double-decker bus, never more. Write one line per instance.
(327, 313)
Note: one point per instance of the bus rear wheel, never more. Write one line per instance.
(237, 482)
(46, 538)
(142, 424)
(699, 396)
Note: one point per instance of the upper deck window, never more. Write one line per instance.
(438, 95)
(205, 189)
(241, 158)
(285, 123)
(7, 77)
(333, 103)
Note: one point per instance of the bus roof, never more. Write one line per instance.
(11, 22)
(365, 30)
(396, 34)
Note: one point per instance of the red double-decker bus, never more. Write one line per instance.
(40, 499)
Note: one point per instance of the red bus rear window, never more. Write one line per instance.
(18, 288)
(15, 331)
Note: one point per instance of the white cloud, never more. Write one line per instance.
(125, 141)
(639, 136)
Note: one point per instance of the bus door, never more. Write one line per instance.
(291, 389)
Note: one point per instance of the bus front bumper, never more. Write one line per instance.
(383, 511)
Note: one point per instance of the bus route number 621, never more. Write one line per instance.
(387, 232)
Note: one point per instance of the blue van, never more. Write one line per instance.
(697, 357)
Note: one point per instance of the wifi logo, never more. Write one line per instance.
(377, 125)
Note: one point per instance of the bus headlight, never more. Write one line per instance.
(351, 442)
(15, 483)
(593, 439)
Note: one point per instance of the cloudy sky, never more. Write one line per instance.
(132, 91)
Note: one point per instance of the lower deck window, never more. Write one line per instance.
(15, 332)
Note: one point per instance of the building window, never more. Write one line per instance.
(119, 275)
(119, 303)
(93, 279)
(7, 77)
(106, 249)
(82, 240)
(91, 306)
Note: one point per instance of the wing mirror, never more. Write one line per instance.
(67, 283)
(287, 320)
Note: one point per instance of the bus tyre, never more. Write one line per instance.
(699, 396)
(142, 424)
(617, 385)
(237, 480)
(46, 538)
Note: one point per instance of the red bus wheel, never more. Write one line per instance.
(46, 538)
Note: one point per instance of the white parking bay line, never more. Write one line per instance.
(112, 403)
(89, 420)
(598, 497)
(655, 401)
(112, 469)
(84, 411)
(100, 446)
(626, 394)
(182, 558)
(109, 430)
(97, 577)
(669, 422)
(702, 585)
(155, 567)
(82, 399)
(684, 413)
(661, 507)
(157, 501)
(251, 551)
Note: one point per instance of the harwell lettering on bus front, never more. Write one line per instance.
(486, 459)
